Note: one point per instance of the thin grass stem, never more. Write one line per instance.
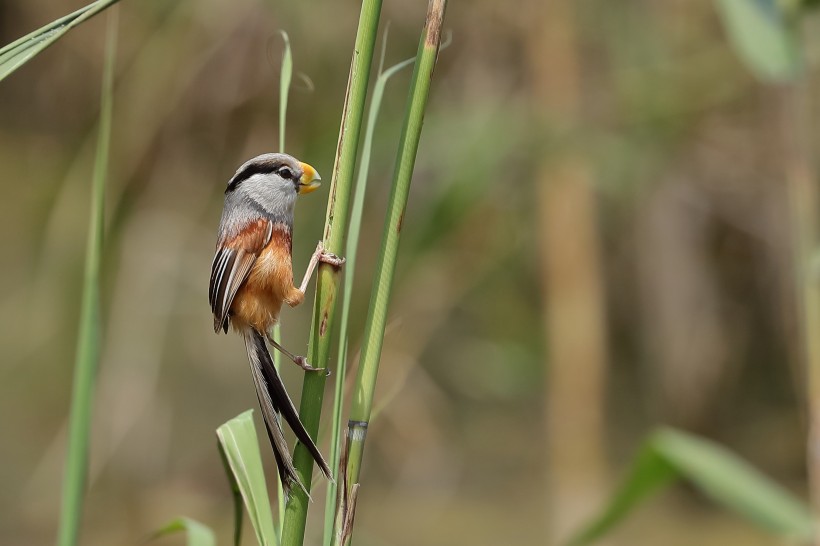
(88, 337)
(285, 77)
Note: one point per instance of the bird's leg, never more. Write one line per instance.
(298, 360)
(298, 294)
(319, 255)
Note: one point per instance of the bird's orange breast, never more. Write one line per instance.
(259, 299)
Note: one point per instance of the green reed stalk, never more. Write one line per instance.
(88, 338)
(285, 76)
(351, 251)
(386, 264)
(324, 305)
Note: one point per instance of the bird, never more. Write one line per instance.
(252, 277)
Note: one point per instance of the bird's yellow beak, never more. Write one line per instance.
(310, 179)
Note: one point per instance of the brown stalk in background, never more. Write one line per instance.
(801, 179)
(572, 284)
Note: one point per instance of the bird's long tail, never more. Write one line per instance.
(274, 400)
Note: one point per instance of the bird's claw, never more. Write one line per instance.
(303, 363)
(331, 259)
(328, 257)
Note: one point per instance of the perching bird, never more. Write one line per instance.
(252, 275)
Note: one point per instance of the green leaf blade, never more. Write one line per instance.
(22, 50)
(197, 534)
(238, 440)
(721, 475)
(649, 473)
(734, 484)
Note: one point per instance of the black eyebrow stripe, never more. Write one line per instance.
(249, 171)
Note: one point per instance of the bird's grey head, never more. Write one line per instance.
(272, 182)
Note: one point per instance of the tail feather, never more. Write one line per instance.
(284, 461)
(274, 401)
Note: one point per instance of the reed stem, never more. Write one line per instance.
(365, 386)
(88, 337)
(324, 305)
(351, 251)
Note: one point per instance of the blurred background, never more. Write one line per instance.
(597, 243)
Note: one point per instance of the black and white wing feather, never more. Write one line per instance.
(232, 263)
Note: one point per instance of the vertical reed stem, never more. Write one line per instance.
(328, 278)
(351, 251)
(88, 338)
(285, 75)
(386, 264)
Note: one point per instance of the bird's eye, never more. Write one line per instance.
(285, 173)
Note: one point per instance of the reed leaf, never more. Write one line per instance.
(669, 455)
(22, 50)
(196, 534)
(240, 449)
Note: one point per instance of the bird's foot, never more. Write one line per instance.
(303, 363)
(328, 257)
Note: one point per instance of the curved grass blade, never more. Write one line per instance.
(88, 337)
(650, 472)
(721, 475)
(734, 484)
(197, 533)
(237, 439)
(22, 50)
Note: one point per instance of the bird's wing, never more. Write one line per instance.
(232, 262)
